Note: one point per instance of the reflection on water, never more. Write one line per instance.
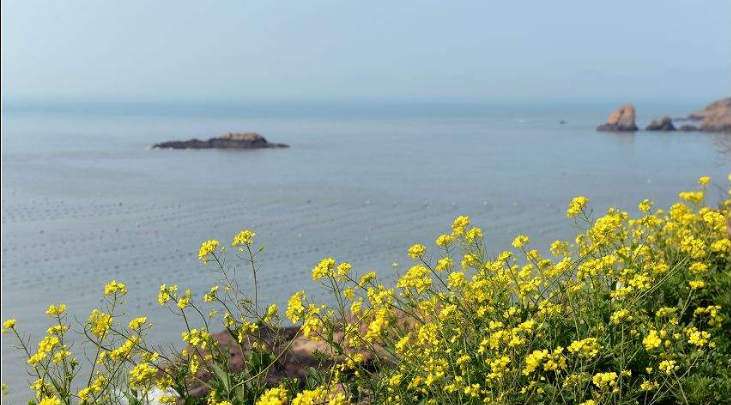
(723, 144)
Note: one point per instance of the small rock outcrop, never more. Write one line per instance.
(231, 140)
(688, 128)
(716, 117)
(664, 124)
(621, 120)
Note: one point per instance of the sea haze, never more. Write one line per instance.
(86, 201)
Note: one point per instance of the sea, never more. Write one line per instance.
(85, 200)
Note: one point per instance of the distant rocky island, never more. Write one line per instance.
(620, 120)
(716, 117)
(231, 140)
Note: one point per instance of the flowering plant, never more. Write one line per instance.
(633, 310)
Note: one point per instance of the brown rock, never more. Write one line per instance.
(716, 117)
(622, 119)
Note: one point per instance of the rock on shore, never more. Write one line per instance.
(231, 140)
(716, 117)
(664, 124)
(621, 120)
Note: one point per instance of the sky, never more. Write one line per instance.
(374, 50)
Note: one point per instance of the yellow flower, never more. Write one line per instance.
(456, 279)
(136, 324)
(367, 278)
(652, 340)
(9, 324)
(444, 240)
(50, 401)
(696, 337)
(141, 376)
(207, 248)
(60, 356)
(36, 358)
(533, 360)
(472, 234)
(588, 347)
(310, 397)
(197, 337)
(704, 180)
(271, 312)
(602, 380)
(295, 309)
(576, 206)
(416, 278)
(649, 385)
(211, 295)
(445, 263)
(416, 251)
(246, 329)
(100, 322)
(184, 301)
(667, 366)
(520, 241)
(273, 396)
(323, 269)
(166, 294)
(698, 268)
(115, 288)
(692, 196)
(712, 312)
(620, 316)
(696, 284)
(343, 269)
(645, 205)
(459, 225)
(245, 237)
(54, 310)
(47, 344)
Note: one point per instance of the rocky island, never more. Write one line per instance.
(231, 140)
(621, 120)
(716, 117)
(665, 124)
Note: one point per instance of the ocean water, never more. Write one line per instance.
(86, 201)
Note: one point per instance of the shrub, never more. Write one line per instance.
(633, 310)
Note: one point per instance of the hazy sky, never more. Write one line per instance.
(366, 50)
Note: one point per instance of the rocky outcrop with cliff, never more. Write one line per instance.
(231, 140)
(716, 117)
(621, 120)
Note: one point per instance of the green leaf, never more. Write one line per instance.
(223, 377)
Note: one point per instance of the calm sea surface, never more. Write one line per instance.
(85, 201)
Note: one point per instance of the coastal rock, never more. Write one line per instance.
(231, 140)
(297, 354)
(716, 117)
(688, 128)
(664, 124)
(621, 120)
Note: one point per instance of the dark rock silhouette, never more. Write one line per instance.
(688, 128)
(231, 140)
(664, 124)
